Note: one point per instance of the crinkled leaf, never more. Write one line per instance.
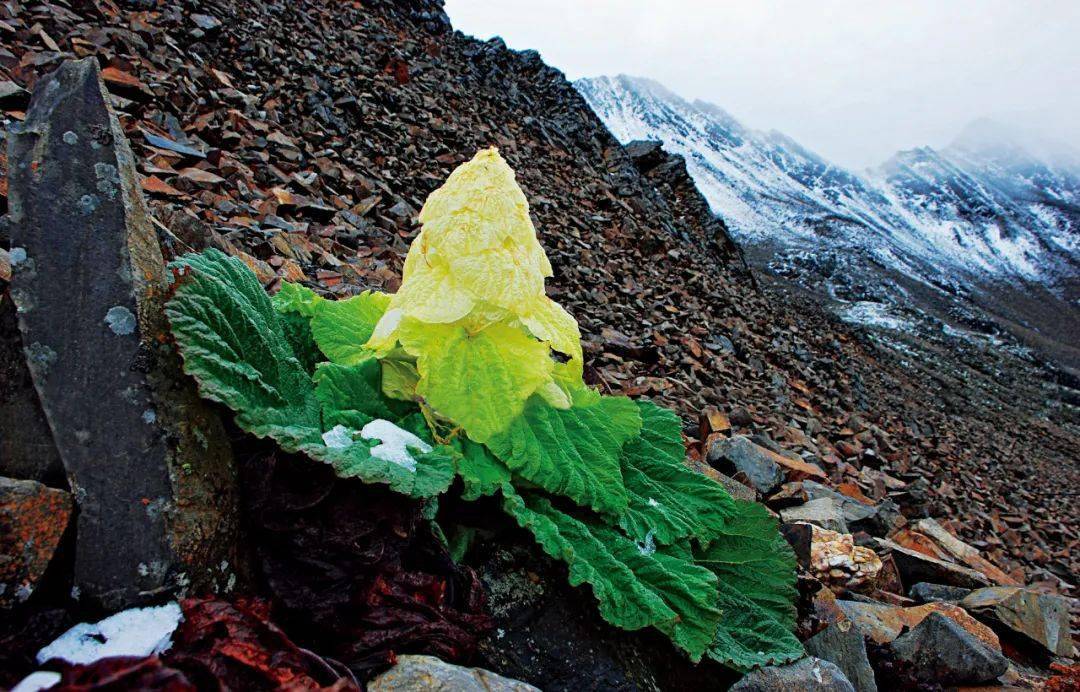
(432, 475)
(573, 452)
(399, 377)
(297, 330)
(351, 395)
(232, 343)
(665, 497)
(479, 380)
(481, 473)
(296, 299)
(342, 327)
(756, 571)
(635, 585)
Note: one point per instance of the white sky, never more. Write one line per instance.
(853, 80)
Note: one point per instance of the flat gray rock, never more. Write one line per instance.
(805, 674)
(740, 454)
(149, 465)
(841, 643)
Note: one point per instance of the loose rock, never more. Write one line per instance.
(805, 674)
(944, 653)
(429, 673)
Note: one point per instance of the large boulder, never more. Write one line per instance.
(150, 466)
(942, 652)
(1036, 617)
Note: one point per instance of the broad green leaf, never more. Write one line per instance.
(573, 452)
(232, 342)
(399, 378)
(351, 395)
(665, 497)
(636, 585)
(342, 327)
(297, 331)
(478, 380)
(480, 471)
(296, 299)
(756, 571)
(430, 476)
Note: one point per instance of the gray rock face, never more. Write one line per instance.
(824, 512)
(916, 567)
(806, 674)
(926, 592)
(1040, 618)
(876, 520)
(150, 467)
(413, 673)
(739, 454)
(944, 653)
(841, 643)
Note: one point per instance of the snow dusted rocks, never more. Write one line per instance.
(149, 464)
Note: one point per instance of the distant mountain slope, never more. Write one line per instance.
(925, 230)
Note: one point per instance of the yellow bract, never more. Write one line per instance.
(478, 265)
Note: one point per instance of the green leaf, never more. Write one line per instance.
(479, 380)
(297, 330)
(665, 497)
(342, 327)
(480, 471)
(572, 452)
(636, 585)
(296, 299)
(351, 395)
(232, 343)
(432, 475)
(756, 571)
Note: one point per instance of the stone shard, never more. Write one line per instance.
(150, 467)
(876, 520)
(33, 518)
(805, 674)
(915, 567)
(1040, 618)
(823, 512)
(842, 644)
(739, 455)
(430, 673)
(925, 592)
(883, 623)
(944, 653)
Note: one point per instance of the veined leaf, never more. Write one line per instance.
(342, 327)
(480, 381)
(573, 452)
(666, 498)
(756, 571)
(351, 395)
(480, 471)
(635, 585)
(232, 343)
(297, 299)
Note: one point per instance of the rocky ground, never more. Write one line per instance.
(304, 137)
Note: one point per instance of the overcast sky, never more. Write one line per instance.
(854, 81)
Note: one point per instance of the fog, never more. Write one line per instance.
(854, 81)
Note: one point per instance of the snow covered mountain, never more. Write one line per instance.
(978, 219)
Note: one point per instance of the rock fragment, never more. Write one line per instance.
(429, 673)
(842, 644)
(838, 562)
(739, 455)
(805, 674)
(944, 653)
(150, 467)
(1037, 617)
(33, 518)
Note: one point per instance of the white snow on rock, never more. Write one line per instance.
(134, 632)
(395, 443)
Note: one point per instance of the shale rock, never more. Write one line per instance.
(944, 653)
(429, 673)
(33, 518)
(149, 463)
(805, 674)
(1039, 618)
(842, 644)
(739, 455)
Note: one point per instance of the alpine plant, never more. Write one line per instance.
(471, 371)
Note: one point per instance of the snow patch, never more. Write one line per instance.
(134, 632)
(338, 437)
(395, 443)
(873, 314)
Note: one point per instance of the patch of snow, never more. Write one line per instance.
(40, 680)
(338, 437)
(873, 314)
(134, 632)
(647, 546)
(395, 443)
